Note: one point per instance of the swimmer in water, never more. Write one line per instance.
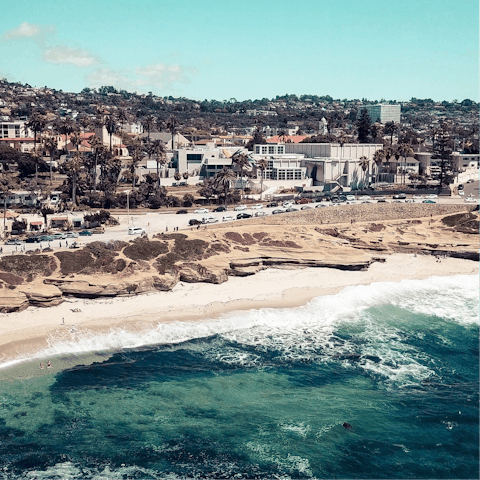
(347, 426)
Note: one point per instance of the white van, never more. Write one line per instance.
(209, 220)
(136, 231)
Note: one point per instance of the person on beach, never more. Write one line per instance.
(63, 320)
(42, 366)
(49, 364)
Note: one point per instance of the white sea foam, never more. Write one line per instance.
(308, 333)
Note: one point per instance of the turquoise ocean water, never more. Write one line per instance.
(261, 394)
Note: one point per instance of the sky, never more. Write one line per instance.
(246, 49)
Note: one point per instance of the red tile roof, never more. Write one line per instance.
(289, 139)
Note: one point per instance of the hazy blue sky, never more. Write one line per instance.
(246, 48)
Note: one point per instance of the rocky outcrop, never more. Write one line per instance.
(298, 262)
(12, 300)
(42, 295)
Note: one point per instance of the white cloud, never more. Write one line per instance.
(73, 56)
(155, 76)
(37, 33)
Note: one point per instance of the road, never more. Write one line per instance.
(154, 222)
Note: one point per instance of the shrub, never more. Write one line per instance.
(143, 249)
(74, 262)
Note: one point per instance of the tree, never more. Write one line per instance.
(111, 127)
(157, 149)
(185, 175)
(75, 139)
(148, 123)
(262, 165)
(390, 129)
(36, 123)
(363, 126)
(405, 150)
(378, 158)
(364, 165)
(97, 145)
(172, 126)
(258, 139)
(73, 168)
(177, 176)
(188, 200)
(223, 179)
(442, 152)
(52, 148)
(241, 160)
(207, 189)
(283, 134)
(136, 152)
(65, 127)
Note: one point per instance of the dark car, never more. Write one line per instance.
(306, 208)
(86, 233)
(400, 196)
(291, 209)
(32, 240)
(460, 187)
(221, 209)
(182, 211)
(194, 221)
(278, 211)
(243, 215)
(272, 204)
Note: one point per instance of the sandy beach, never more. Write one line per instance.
(24, 334)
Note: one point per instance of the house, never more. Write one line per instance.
(166, 137)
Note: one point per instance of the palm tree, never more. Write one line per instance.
(75, 139)
(342, 140)
(283, 134)
(111, 126)
(97, 145)
(262, 165)
(74, 167)
(378, 158)
(51, 146)
(390, 129)
(157, 148)
(36, 124)
(222, 180)
(66, 127)
(136, 152)
(172, 126)
(177, 176)
(405, 150)
(85, 123)
(241, 160)
(148, 123)
(364, 164)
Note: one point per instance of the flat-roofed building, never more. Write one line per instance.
(382, 113)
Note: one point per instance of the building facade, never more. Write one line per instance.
(382, 113)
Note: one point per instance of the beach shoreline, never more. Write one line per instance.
(26, 334)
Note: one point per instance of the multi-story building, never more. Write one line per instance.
(382, 113)
(14, 129)
(280, 165)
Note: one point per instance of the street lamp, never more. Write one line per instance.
(128, 206)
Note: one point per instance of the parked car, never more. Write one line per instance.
(321, 205)
(58, 236)
(431, 196)
(429, 201)
(46, 238)
(258, 206)
(243, 215)
(272, 204)
(418, 197)
(239, 208)
(221, 209)
(470, 181)
(135, 231)
(98, 230)
(181, 211)
(350, 198)
(278, 210)
(194, 221)
(306, 208)
(201, 210)
(85, 233)
(228, 218)
(291, 209)
(470, 199)
(260, 214)
(14, 241)
(400, 196)
(460, 187)
(71, 235)
(32, 240)
(209, 220)
(287, 204)
(461, 192)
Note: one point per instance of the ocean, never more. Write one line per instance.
(261, 393)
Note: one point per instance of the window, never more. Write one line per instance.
(271, 149)
(280, 149)
(17, 131)
(281, 175)
(289, 174)
(298, 174)
(194, 157)
(264, 149)
(257, 149)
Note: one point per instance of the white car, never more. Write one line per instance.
(260, 214)
(258, 206)
(240, 208)
(350, 198)
(228, 218)
(418, 197)
(136, 231)
(201, 210)
(461, 192)
(287, 204)
(432, 196)
(362, 198)
(470, 200)
(209, 220)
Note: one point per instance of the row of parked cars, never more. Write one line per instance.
(52, 237)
